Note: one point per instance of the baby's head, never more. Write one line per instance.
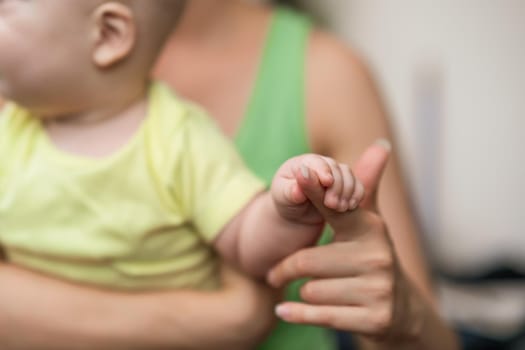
(59, 57)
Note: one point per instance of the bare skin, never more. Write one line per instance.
(41, 318)
(337, 127)
(114, 63)
(108, 94)
(117, 44)
(228, 107)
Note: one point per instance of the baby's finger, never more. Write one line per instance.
(309, 184)
(321, 168)
(295, 195)
(348, 188)
(357, 195)
(334, 192)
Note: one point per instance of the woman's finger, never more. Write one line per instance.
(329, 261)
(352, 291)
(336, 260)
(369, 169)
(346, 318)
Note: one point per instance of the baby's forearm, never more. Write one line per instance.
(263, 237)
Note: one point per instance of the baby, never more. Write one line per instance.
(109, 179)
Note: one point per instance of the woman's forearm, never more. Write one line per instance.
(41, 313)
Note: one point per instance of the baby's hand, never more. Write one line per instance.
(343, 191)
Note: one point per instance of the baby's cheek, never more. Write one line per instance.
(4, 89)
(7, 70)
(18, 83)
(7, 91)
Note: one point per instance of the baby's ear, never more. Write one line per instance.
(115, 34)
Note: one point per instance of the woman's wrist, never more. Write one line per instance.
(414, 317)
(418, 327)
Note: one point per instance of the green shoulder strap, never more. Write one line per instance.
(274, 130)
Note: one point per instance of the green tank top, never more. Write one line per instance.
(272, 131)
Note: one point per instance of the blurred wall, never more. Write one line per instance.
(453, 76)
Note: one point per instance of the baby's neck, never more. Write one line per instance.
(101, 131)
(103, 109)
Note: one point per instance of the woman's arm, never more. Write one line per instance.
(346, 115)
(357, 283)
(381, 265)
(37, 312)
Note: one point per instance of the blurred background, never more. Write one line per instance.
(453, 76)
(452, 73)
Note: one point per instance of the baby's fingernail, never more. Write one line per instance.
(305, 172)
(282, 311)
(385, 144)
(353, 204)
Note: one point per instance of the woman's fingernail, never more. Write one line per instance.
(385, 144)
(282, 311)
(304, 171)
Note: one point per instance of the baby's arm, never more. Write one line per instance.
(279, 222)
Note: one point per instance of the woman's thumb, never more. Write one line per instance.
(369, 170)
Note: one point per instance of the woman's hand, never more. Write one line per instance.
(357, 283)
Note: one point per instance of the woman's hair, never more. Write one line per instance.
(303, 7)
(291, 3)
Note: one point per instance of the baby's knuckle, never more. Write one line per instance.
(330, 161)
(344, 167)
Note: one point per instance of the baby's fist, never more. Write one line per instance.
(311, 173)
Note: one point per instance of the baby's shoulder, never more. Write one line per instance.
(14, 120)
(176, 117)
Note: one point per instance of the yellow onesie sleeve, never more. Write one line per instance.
(6, 112)
(215, 177)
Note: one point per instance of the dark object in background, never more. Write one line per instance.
(473, 341)
(292, 3)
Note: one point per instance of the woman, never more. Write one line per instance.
(272, 115)
(285, 77)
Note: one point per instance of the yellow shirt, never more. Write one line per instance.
(141, 218)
